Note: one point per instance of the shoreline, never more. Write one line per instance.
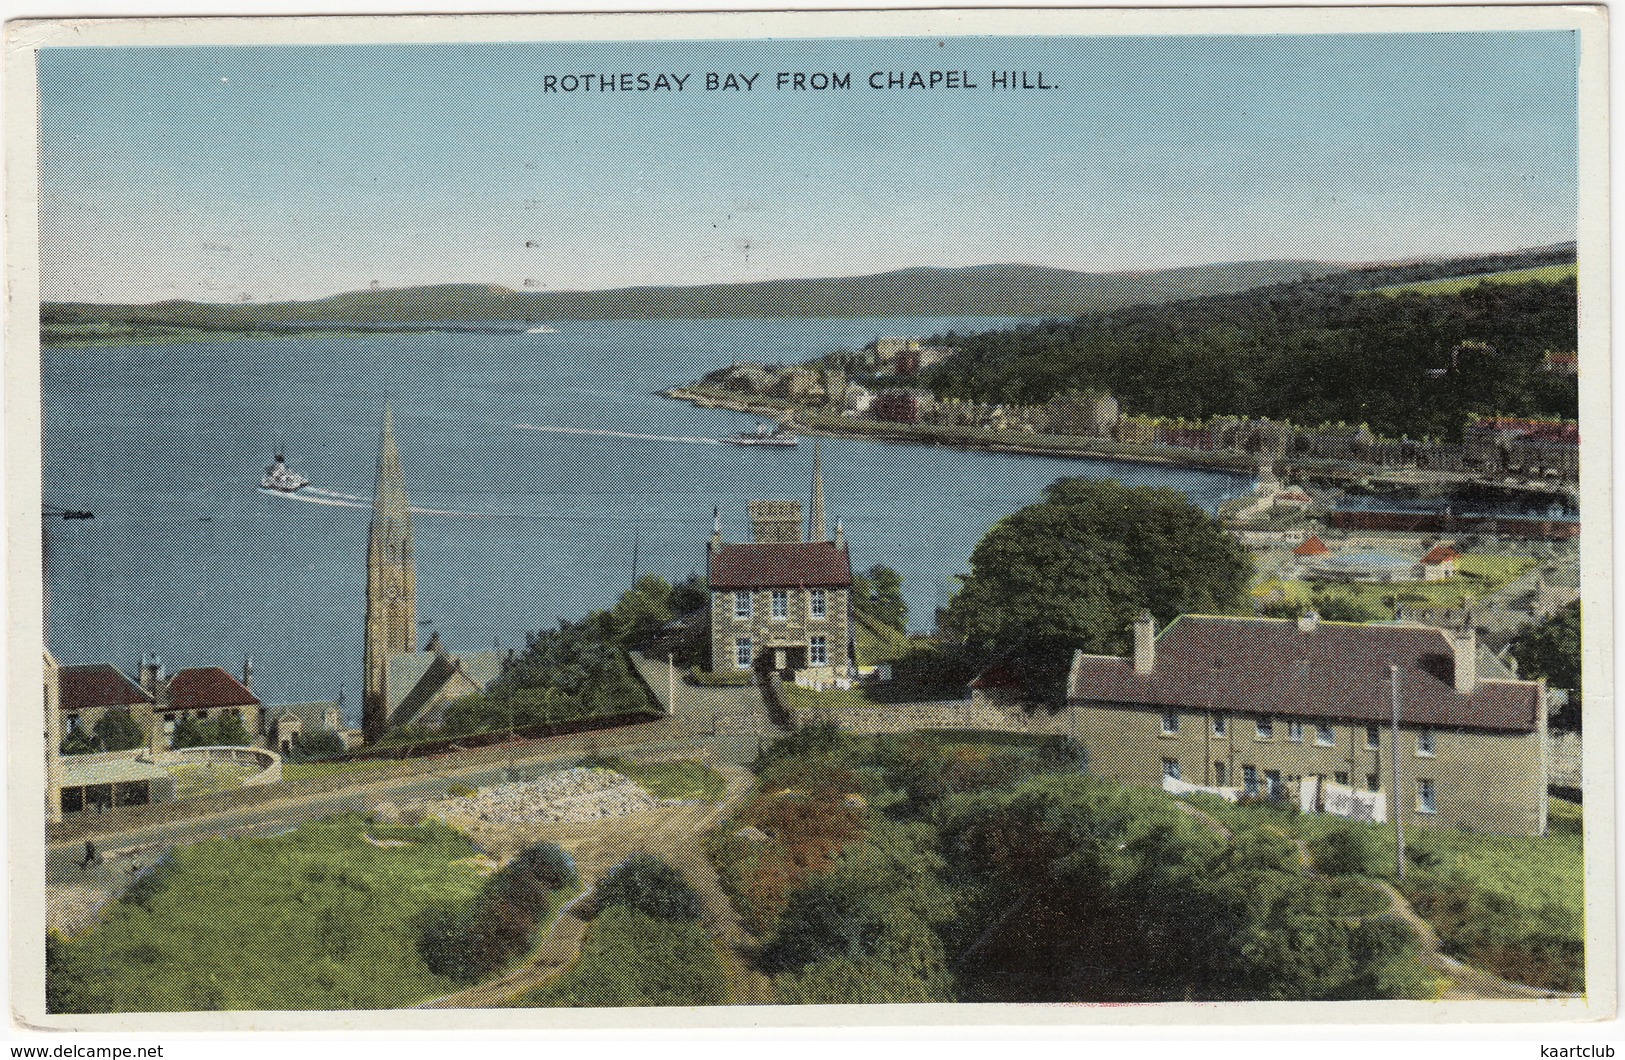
(902, 434)
(1341, 475)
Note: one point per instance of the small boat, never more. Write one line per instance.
(776, 435)
(279, 479)
(543, 330)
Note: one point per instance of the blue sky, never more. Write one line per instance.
(296, 172)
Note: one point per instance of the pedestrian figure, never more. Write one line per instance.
(90, 854)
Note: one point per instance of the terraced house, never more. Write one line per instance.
(1266, 707)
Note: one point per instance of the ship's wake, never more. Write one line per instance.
(312, 495)
(620, 434)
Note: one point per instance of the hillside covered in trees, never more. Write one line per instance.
(1322, 349)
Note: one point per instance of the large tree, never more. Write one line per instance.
(1075, 570)
(1551, 649)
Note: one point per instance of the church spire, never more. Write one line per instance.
(391, 583)
(817, 531)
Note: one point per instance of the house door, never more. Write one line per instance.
(1249, 781)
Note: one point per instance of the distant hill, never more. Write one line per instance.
(979, 290)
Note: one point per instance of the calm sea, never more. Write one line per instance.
(518, 527)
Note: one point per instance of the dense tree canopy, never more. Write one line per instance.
(1074, 571)
(1321, 350)
(1551, 649)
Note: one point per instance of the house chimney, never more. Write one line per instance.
(1466, 650)
(152, 674)
(1309, 621)
(840, 541)
(248, 672)
(1145, 642)
(716, 528)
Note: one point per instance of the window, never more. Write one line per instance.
(1324, 736)
(742, 653)
(1294, 731)
(1424, 743)
(1170, 768)
(1170, 722)
(1373, 737)
(1266, 728)
(73, 723)
(818, 652)
(1373, 782)
(1221, 725)
(1220, 774)
(1249, 780)
(741, 604)
(781, 604)
(819, 603)
(1426, 796)
(1272, 783)
(1341, 778)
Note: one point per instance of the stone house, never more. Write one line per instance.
(781, 605)
(204, 693)
(1263, 705)
(86, 693)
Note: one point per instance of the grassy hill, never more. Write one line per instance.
(1457, 284)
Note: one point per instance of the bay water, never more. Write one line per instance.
(538, 464)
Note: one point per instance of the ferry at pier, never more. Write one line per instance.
(279, 479)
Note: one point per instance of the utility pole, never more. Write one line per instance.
(671, 684)
(1393, 755)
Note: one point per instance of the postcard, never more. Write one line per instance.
(1026, 518)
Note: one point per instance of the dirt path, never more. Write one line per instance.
(673, 834)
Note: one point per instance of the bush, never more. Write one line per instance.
(650, 886)
(117, 731)
(461, 791)
(1347, 852)
(550, 864)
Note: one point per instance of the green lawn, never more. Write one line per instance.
(318, 918)
(1455, 285)
(205, 778)
(683, 778)
(1477, 576)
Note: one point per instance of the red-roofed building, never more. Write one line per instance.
(1440, 563)
(782, 605)
(1312, 547)
(87, 693)
(1269, 706)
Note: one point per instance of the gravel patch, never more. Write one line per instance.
(570, 796)
(70, 910)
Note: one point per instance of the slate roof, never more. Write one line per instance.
(1338, 671)
(208, 687)
(96, 686)
(796, 564)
